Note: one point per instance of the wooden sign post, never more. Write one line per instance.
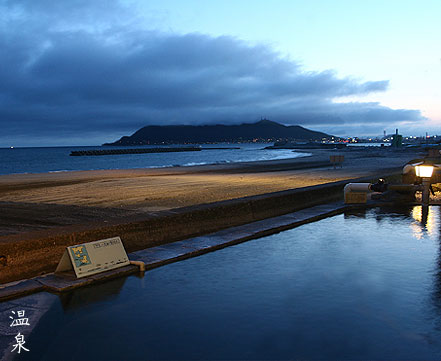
(94, 257)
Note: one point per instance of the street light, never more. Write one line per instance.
(425, 172)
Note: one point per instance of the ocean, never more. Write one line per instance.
(57, 159)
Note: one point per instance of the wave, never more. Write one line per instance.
(39, 164)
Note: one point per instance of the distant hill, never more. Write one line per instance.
(264, 130)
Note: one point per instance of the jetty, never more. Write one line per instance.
(78, 153)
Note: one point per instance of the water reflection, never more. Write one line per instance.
(383, 213)
(436, 297)
(426, 221)
(437, 271)
(82, 297)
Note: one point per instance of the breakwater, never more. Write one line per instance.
(78, 153)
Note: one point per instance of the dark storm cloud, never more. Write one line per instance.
(95, 69)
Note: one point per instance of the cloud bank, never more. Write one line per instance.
(95, 72)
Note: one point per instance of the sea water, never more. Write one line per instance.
(57, 159)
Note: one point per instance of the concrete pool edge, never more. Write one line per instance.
(176, 251)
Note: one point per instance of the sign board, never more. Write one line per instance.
(337, 159)
(94, 257)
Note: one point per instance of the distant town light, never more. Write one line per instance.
(424, 171)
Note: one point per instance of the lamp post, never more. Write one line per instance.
(425, 172)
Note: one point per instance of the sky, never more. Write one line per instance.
(87, 72)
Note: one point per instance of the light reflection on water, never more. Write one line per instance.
(425, 221)
(361, 285)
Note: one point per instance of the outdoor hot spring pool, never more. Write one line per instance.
(360, 285)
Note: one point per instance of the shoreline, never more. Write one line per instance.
(167, 166)
(25, 161)
(35, 201)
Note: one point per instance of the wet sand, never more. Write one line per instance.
(35, 201)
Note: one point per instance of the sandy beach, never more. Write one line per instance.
(36, 201)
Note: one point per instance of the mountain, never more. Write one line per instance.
(264, 130)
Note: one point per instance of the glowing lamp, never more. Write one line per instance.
(424, 171)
